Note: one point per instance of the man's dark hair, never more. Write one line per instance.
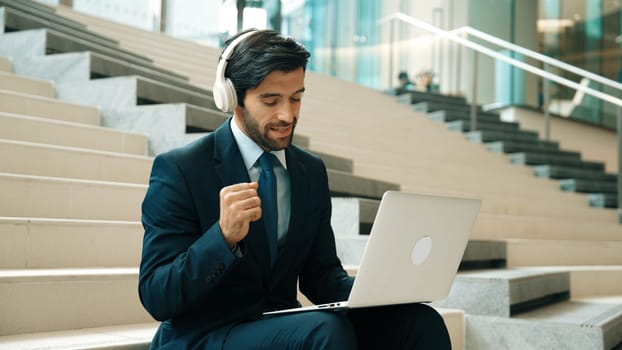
(259, 55)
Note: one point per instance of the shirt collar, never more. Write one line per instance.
(250, 150)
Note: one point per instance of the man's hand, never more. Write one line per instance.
(239, 206)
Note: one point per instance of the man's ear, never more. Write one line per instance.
(237, 112)
(238, 118)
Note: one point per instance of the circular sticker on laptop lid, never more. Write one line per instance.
(421, 250)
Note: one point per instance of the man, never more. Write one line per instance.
(212, 263)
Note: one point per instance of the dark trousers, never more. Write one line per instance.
(412, 326)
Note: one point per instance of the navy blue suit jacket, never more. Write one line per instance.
(189, 278)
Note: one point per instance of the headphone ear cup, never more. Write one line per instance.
(225, 96)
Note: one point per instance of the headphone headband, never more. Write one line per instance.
(224, 91)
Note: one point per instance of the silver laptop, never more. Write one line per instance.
(413, 252)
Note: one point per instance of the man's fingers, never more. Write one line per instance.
(239, 206)
(240, 187)
(238, 192)
(254, 214)
(246, 203)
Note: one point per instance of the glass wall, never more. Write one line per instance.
(588, 35)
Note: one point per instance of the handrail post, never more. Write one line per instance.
(619, 127)
(474, 93)
(545, 104)
(391, 38)
(458, 74)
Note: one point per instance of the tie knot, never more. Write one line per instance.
(267, 161)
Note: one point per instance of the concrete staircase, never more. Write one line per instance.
(522, 146)
(69, 239)
(72, 189)
(70, 209)
(70, 230)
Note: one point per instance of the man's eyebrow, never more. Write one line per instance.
(274, 94)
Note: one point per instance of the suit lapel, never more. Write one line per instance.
(229, 164)
(299, 195)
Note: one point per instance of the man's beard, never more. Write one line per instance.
(261, 136)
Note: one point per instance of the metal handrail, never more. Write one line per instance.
(540, 57)
(519, 64)
(453, 36)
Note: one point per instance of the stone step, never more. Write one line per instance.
(353, 216)
(484, 136)
(17, 20)
(420, 96)
(448, 116)
(48, 197)
(604, 200)
(52, 197)
(125, 337)
(482, 254)
(574, 325)
(509, 146)
(514, 253)
(42, 130)
(589, 186)
(495, 226)
(563, 252)
(167, 124)
(38, 9)
(350, 248)
(562, 172)
(431, 106)
(568, 160)
(544, 153)
(44, 40)
(591, 280)
(12, 82)
(129, 34)
(77, 163)
(60, 299)
(27, 242)
(344, 184)
(129, 91)
(35, 5)
(465, 126)
(477, 254)
(5, 64)
(38, 42)
(18, 103)
(507, 292)
(82, 66)
(33, 243)
(138, 336)
(334, 162)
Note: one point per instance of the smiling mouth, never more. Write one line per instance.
(281, 129)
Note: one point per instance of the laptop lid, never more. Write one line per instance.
(415, 247)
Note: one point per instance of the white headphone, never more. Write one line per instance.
(224, 92)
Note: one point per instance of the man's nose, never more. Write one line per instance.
(287, 112)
